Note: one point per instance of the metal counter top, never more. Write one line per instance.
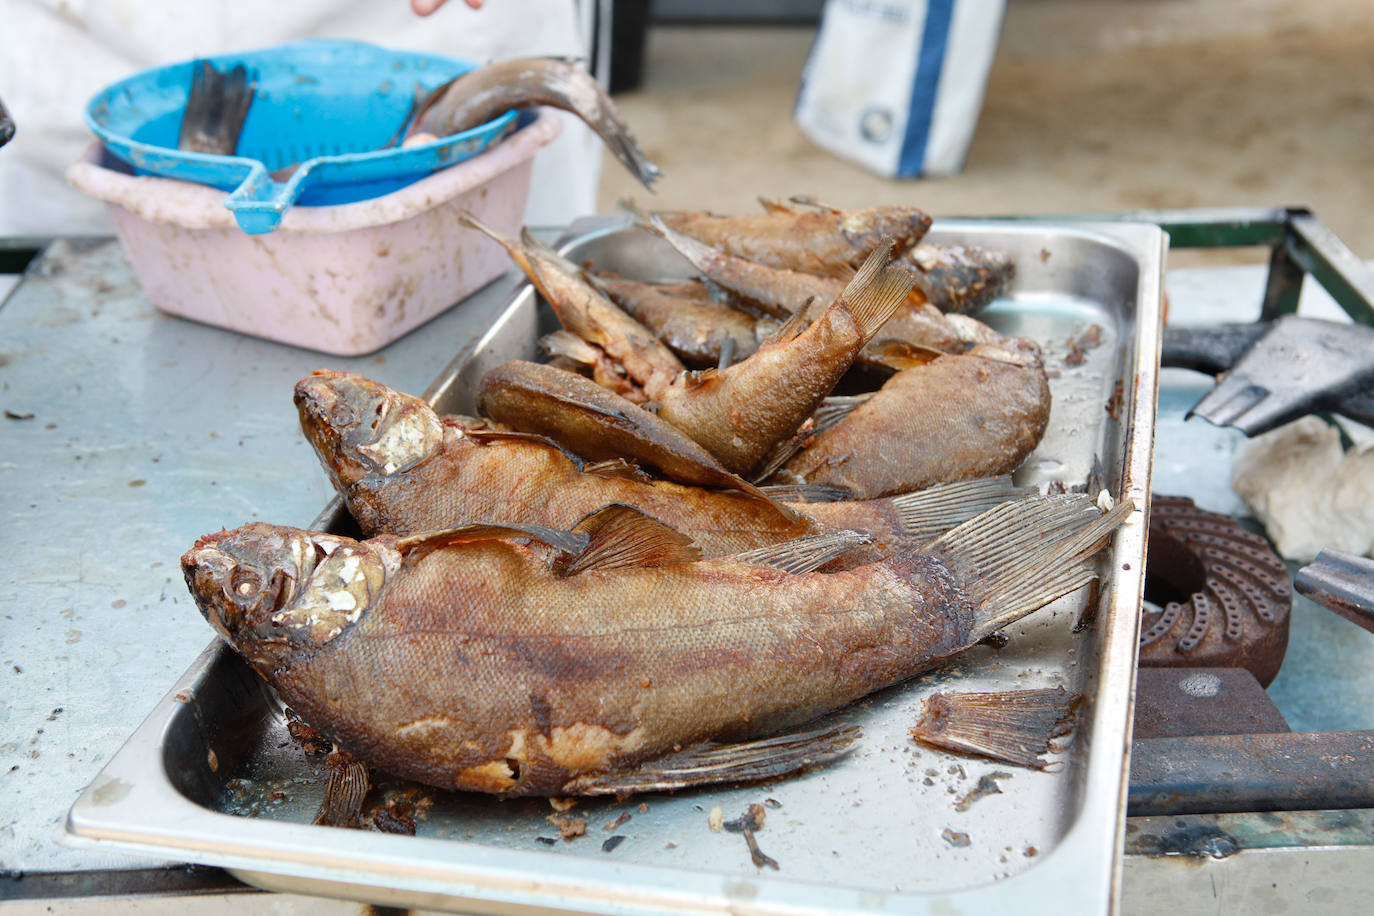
(148, 431)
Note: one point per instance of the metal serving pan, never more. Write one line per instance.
(213, 777)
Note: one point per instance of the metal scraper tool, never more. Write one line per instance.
(1272, 372)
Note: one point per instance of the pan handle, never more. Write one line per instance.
(1209, 349)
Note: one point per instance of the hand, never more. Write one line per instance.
(425, 7)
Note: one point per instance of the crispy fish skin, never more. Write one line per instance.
(480, 95)
(586, 311)
(688, 319)
(960, 278)
(465, 659)
(740, 413)
(809, 240)
(973, 415)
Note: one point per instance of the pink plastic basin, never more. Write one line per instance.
(345, 280)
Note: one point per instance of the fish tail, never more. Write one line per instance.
(1018, 557)
(510, 243)
(877, 290)
(931, 512)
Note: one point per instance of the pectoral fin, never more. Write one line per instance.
(620, 536)
(805, 554)
(567, 541)
(746, 761)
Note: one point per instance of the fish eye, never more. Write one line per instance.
(244, 583)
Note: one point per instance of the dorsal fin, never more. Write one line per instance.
(794, 325)
(774, 206)
(488, 436)
(620, 536)
(806, 200)
(571, 542)
(805, 554)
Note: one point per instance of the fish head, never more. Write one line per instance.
(361, 428)
(272, 591)
(904, 225)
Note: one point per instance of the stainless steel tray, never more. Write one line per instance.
(874, 833)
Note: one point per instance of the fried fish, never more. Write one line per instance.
(522, 660)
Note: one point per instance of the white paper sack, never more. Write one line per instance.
(897, 85)
(1308, 492)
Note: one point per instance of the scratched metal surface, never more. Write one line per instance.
(880, 831)
(147, 431)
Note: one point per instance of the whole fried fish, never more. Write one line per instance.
(689, 319)
(520, 660)
(480, 95)
(956, 418)
(810, 239)
(401, 469)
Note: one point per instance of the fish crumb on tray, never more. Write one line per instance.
(1016, 726)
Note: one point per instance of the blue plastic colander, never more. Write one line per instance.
(326, 104)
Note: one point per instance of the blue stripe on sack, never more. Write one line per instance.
(921, 108)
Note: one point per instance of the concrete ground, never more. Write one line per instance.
(1092, 105)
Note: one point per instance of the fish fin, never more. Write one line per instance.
(797, 322)
(696, 378)
(877, 290)
(806, 200)
(931, 512)
(698, 253)
(344, 792)
(1015, 726)
(835, 408)
(831, 270)
(807, 493)
(488, 436)
(832, 410)
(617, 469)
(900, 354)
(505, 241)
(621, 536)
(745, 761)
(568, 344)
(774, 206)
(1019, 556)
(572, 542)
(804, 554)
